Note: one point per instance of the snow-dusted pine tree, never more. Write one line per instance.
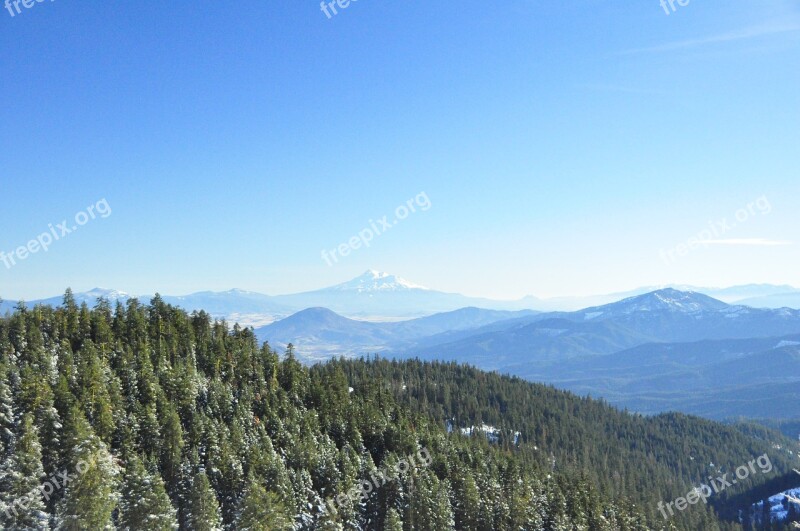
(6, 412)
(91, 495)
(203, 513)
(393, 521)
(21, 474)
(260, 510)
(144, 503)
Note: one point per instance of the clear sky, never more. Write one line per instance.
(564, 147)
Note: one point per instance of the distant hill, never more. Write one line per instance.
(319, 333)
(778, 300)
(666, 315)
(758, 377)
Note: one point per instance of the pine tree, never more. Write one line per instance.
(21, 497)
(6, 412)
(91, 494)
(468, 498)
(95, 396)
(203, 512)
(171, 448)
(48, 419)
(72, 321)
(144, 503)
(328, 521)
(430, 504)
(393, 521)
(291, 375)
(260, 510)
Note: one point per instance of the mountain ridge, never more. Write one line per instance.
(380, 295)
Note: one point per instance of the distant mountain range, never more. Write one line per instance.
(663, 350)
(380, 296)
(666, 315)
(373, 296)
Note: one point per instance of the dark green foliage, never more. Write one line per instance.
(21, 499)
(91, 493)
(203, 512)
(261, 510)
(165, 419)
(144, 502)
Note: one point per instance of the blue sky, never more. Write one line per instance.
(562, 145)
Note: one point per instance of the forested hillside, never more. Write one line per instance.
(146, 417)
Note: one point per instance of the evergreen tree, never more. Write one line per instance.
(6, 412)
(468, 501)
(329, 521)
(430, 503)
(91, 494)
(144, 503)
(49, 420)
(261, 510)
(171, 449)
(203, 512)
(95, 394)
(21, 497)
(393, 521)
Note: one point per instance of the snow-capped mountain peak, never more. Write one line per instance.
(108, 294)
(242, 292)
(373, 281)
(667, 299)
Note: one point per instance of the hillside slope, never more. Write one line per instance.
(183, 421)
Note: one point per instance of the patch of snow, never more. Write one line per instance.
(376, 281)
(551, 332)
(110, 294)
(787, 344)
(491, 432)
(779, 504)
